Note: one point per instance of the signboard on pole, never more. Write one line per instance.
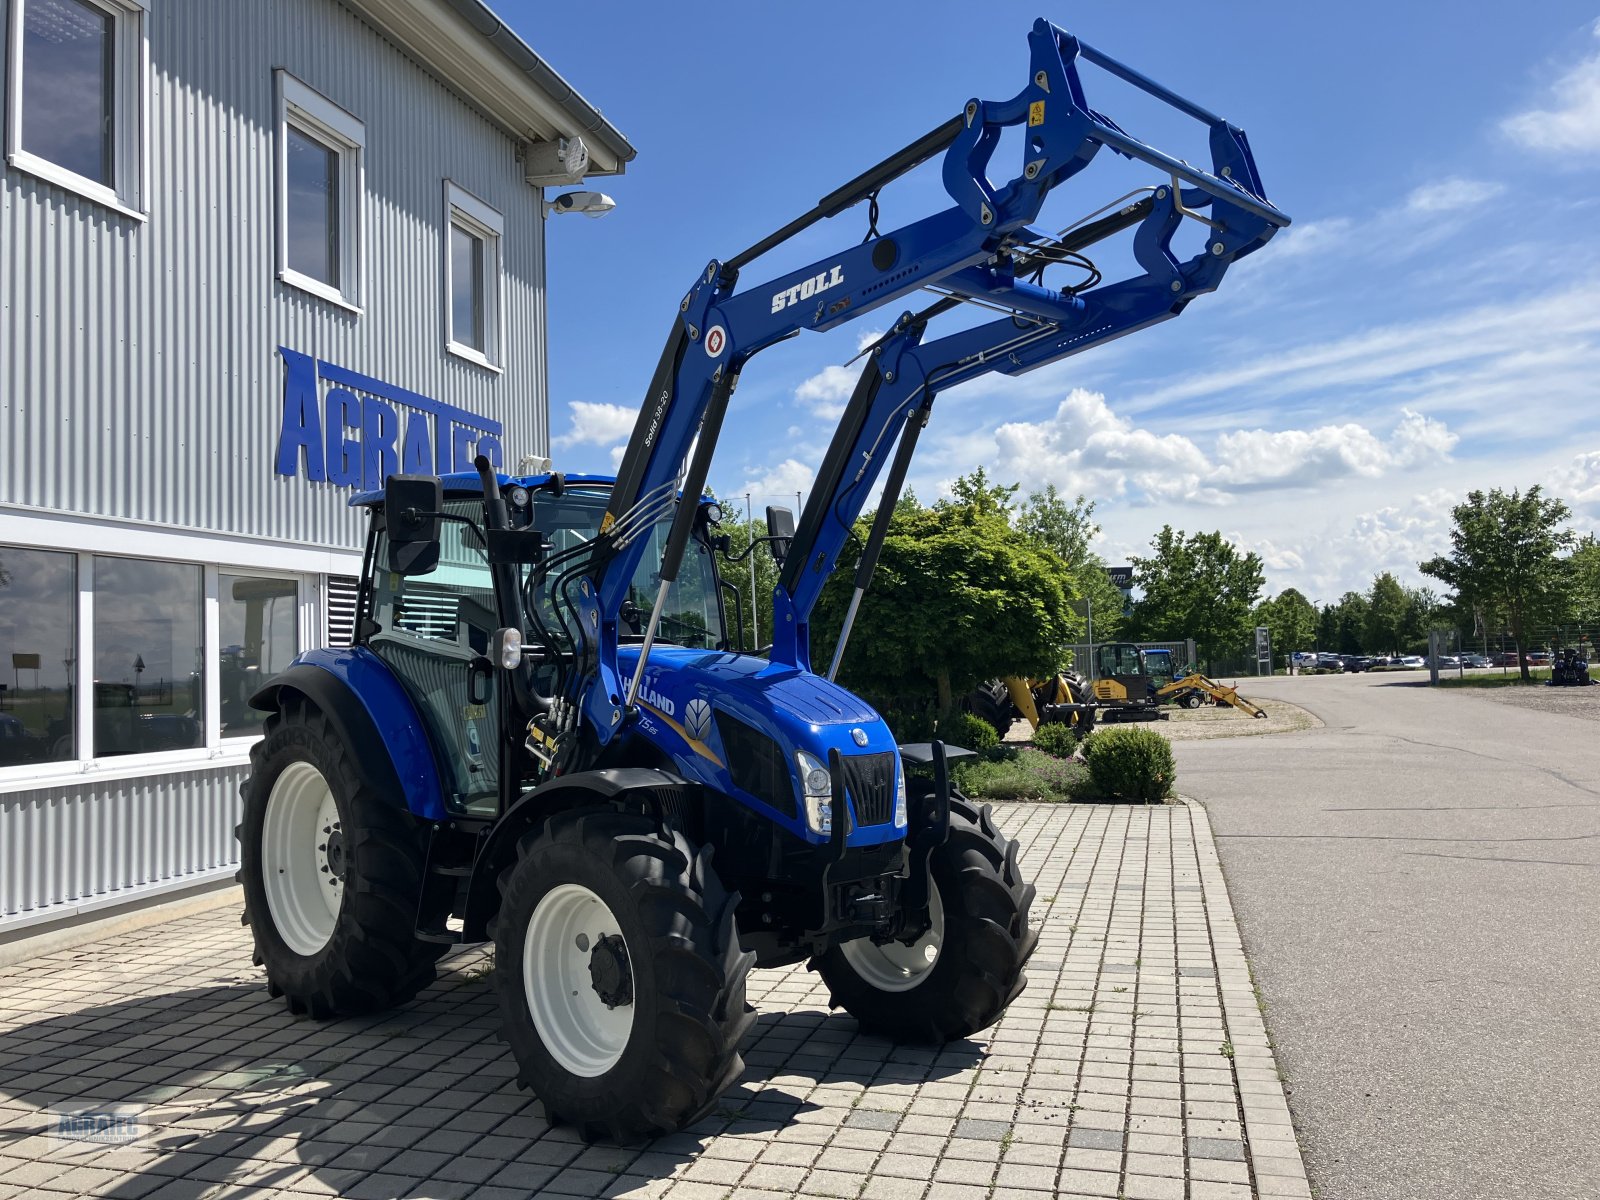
(1263, 650)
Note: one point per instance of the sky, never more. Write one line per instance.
(1429, 325)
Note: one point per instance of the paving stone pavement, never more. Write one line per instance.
(1134, 1065)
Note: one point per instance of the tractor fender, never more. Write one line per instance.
(362, 699)
(499, 847)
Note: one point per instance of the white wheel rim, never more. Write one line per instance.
(584, 1031)
(895, 967)
(303, 858)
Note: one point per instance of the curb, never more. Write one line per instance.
(82, 932)
(1277, 1167)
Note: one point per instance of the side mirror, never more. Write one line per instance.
(780, 529)
(411, 507)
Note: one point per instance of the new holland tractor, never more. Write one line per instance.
(544, 737)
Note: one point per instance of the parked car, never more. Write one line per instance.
(1540, 658)
(1408, 662)
(1449, 662)
(1330, 662)
(1357, 662)
(1474, 662)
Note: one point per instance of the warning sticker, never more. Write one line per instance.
(716, 339)
(1036, 113)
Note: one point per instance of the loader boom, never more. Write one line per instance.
(982, 248)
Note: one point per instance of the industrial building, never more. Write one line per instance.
(252, 258)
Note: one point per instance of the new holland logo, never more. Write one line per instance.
(656, 700)
(858, 736)
(816, 285)
(697, 719)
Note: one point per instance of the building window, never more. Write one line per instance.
(258, 630)
(38, 651)
(319, 194)
(148, 664)
(76, 96)
(472, 277)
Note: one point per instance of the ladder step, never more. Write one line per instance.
(444, 938)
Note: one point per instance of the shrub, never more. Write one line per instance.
(1129, 763)
(969, 732)
(1057, 739)
(1025, 775)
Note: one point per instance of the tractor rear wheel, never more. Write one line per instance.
(620, 976)
(1192, 700)
(332, 872)
(962, 974)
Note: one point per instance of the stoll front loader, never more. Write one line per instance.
(542, 735)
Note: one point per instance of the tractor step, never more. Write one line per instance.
(445, 937)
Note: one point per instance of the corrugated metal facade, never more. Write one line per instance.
(65, 846)
(140, 379)
(140, 376)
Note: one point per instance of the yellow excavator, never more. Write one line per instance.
(1129, 684)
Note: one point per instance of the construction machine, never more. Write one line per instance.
(543, 735)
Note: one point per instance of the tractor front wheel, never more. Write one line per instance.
(333, 872)
(961, 975)
(620, 976)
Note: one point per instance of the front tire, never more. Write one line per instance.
(961, 975)
(620, 975)
(332, 873)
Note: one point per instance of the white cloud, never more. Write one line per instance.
(1086, 447)
(785, 479)
(1571, 123)
(1567, 319)
(1448, 195)
(596, 424)
(1579, 485)
(825, 392)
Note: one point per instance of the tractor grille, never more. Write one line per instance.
(869, 780)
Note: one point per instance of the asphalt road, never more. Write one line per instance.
(1418, 886)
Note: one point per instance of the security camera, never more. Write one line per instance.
(590, 204)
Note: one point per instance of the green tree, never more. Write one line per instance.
(1067, 529)
(1197, 586)
(1386, 614)
(1422, 613)
(981, 494)
(959, 596)
(1505, 556)
(1328, 629)
(1291, 619)
(1352, 621)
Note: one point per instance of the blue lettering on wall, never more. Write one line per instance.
(362, 430)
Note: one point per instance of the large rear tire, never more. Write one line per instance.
(960, 976)
(332, 871)
(620, 975)
(991, 702)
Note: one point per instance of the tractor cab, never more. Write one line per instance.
(431, 614)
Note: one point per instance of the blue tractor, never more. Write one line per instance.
(545, 736)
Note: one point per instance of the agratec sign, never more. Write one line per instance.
(358, 431)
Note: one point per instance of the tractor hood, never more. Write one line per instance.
(711, 711)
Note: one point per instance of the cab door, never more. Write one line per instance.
(434, 632)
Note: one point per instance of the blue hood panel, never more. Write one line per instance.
(684, 689)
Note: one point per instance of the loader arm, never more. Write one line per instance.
(894, 396)
(971, 250)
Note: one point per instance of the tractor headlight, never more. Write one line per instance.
(899, 793)
(816, 790)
